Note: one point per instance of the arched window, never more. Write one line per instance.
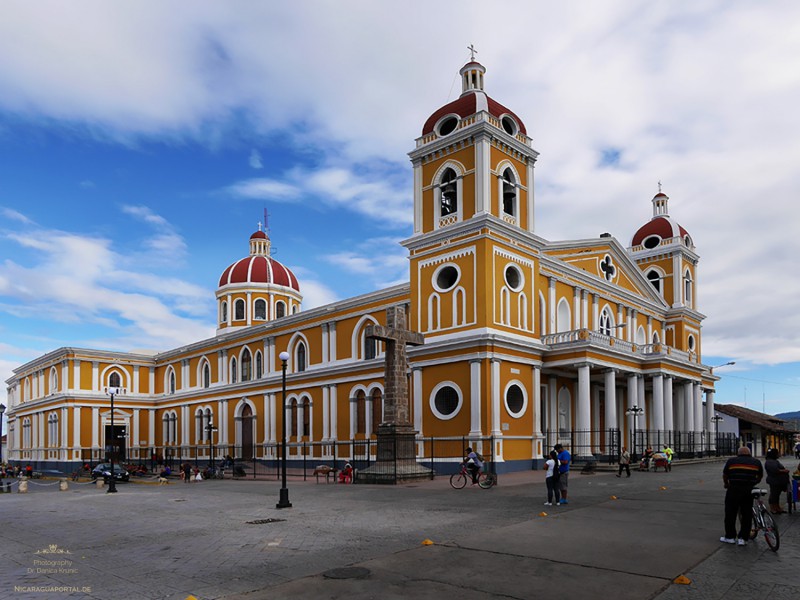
(52, 430)
(563, 320)
(53, 380)
(448, 193)
(234, 371)
(259, 365)
(170, 428)
(170, 381)
(224, 313)
(238, 310)
(114, 380)
(361, 412)
(206, 375)
(306, 417)
(377, 410)
(687, 288)
(654, 277)
(260, 310)
(509, 193)
(641, 336)
(280, 310)
(301, 357)
(606, 322)
(26, 432)
(247, 365)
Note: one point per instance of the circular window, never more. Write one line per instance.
(445, 278)
(513, 277)
(509, 125)
(651, 242)
(447, 125)
(515, 400)
(691, 342)
(445, 401)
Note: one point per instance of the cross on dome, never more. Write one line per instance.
(472, 52)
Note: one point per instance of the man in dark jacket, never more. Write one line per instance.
(740, 474)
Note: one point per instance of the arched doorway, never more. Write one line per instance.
(247, 433)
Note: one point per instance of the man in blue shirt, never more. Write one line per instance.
(564, 459)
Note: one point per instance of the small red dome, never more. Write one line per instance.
(469, 104)
(259, 269)
(259, 235)
(662, 226)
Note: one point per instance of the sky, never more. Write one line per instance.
(141, 143)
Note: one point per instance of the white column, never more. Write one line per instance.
(76, 429)
(247, 309)
(584, 310)
(152, 383)
(697, 395)
(135, 379)
(230, 309)
(669, 422)
(495, 392)
(184, 426)
(537, 403)
(688, 405)
(332, 332)
(658, 402)
(610, 386)
(64, 377)
(76, 374)
(325, 343)
(95, 427)
(583, 416)
(483, 199)
(640, 399)
(680, 412)
(595, 312)
(677, 278)
(475, 398)
(326, 408)
(151, 427)
(551, 304)
(576, 308)
(334, 414)
(63, 442)
(595, 416)
(272, 401)
(95, 376)
(416, 384)
(135, 429)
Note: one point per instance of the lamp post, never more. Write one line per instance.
(635, 411)
(112, 484)
(283, 501)
(210, 429)
(727, 364)
(2, 410)
(716, 419)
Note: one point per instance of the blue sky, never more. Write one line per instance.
(140, 144)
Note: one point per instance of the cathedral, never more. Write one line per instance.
(527, 341)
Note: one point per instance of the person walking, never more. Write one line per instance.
(777, 480)
(624, 462)
(669, 452)
(739, 475)
(564, 458)
(551, 479)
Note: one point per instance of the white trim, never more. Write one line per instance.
(432, 400)
(523, 410)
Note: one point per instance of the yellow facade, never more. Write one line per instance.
(527, 341)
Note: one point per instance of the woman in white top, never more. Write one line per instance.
(551, 479)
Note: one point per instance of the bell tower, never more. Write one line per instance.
(473, 252)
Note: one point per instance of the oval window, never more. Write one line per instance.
(446, 401)
(513, 277)
(651, 242)
(509, 125)
(515, 400)
(446, 278)
(691, 343)
(448, 125)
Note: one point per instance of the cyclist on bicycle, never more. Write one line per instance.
(474, 462)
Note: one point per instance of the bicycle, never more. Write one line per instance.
(459, 480)
(763, 521)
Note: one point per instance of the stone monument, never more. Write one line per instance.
(397, 450)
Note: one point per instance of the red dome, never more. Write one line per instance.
(469, 104)
(259, 269)
(662, 226)
(259, 235)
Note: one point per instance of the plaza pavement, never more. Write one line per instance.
(210, 540)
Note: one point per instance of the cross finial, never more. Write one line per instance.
(259, 225)
(472, 52)
(659, 187)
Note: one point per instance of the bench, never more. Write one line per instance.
(326, 471)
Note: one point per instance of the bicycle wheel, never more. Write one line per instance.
(458, 480)
(487, 480)
(771, 534)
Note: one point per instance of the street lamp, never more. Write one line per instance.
(727, 364)
(112, 484)
(283, 502)
(635, 411)
(2, 410)
(210, 429)
(716, 419)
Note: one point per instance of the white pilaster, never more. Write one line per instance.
(495, 391)
(658, 402)
(416, 385)
(475, 398)
(669, 422)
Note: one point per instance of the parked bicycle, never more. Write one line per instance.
(763, 521)
(485, 480)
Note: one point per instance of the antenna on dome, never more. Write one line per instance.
(266, 221)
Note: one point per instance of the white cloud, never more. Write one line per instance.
(264, 189)
(14, 215)
(255, 159)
